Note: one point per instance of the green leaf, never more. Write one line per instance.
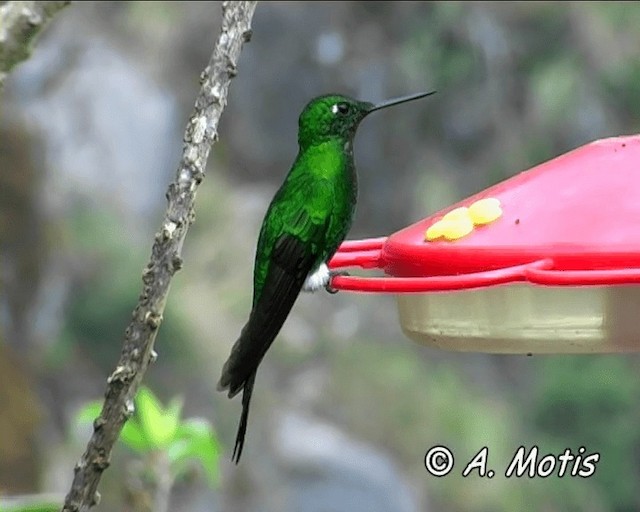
(159, 426)
(89, 412)
(195, 440)
(174, 410)
(133, 436)
(33, 503)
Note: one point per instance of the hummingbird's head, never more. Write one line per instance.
(331, 116)
(334, 116)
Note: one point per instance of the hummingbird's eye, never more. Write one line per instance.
(343, 108)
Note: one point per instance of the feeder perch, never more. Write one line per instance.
(547, 261)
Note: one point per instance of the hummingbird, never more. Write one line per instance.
(308, 218)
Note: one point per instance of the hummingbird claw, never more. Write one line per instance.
(333, 274)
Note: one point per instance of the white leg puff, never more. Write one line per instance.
(318, 279)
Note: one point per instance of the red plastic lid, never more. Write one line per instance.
(574, 220)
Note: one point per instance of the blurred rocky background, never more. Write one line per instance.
(345, 406)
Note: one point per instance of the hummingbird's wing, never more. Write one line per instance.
(288, 270)
(291, 261)
(290, 244)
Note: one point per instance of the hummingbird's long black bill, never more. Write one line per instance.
(402, 99)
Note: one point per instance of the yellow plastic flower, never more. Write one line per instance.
(453, 229)
(485, 211)
(458, 213)
(461, 221)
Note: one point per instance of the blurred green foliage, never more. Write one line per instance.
(35, 505)
(106, 291)
(592, 401)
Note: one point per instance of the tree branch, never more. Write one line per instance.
(137, 352)
(20, 23)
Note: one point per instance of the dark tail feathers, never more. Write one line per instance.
(244, 418)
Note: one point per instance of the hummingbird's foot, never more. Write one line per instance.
(318, 279)
(332, 274)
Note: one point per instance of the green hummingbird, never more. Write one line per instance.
(308, 218)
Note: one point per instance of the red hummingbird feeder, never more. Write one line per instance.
(547, 261)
